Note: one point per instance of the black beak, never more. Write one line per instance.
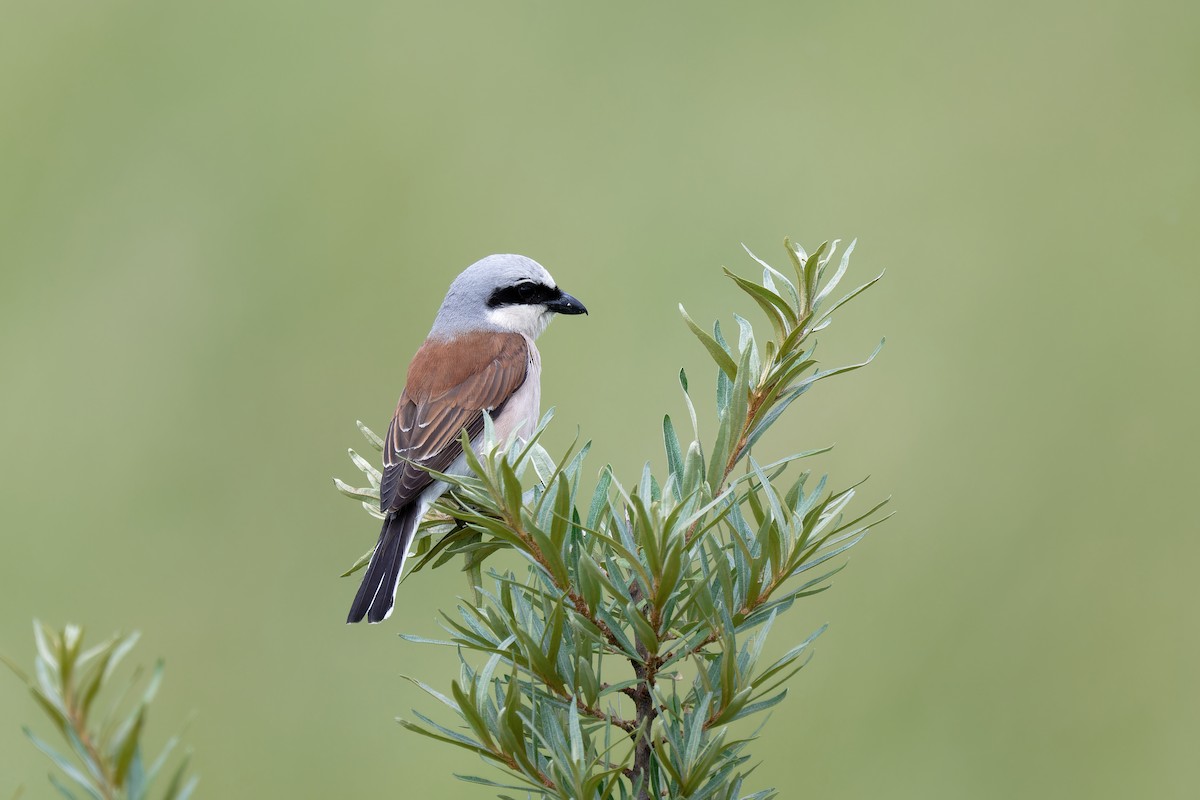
(565, 304)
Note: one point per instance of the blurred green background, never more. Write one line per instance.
(224, 228)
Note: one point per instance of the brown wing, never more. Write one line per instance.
(449, 387)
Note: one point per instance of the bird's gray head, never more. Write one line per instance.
(508, 293)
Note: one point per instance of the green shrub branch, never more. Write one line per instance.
(105, 756)
(617, 666)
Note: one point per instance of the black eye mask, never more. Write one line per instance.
(525, 293)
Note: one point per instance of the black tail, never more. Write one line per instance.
(377, 592)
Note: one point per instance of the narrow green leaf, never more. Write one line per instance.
(849, 297)
(471, 715)
(690, 406)
(837, 276)
(429, 690)
(695, 733)
(46, 651)
(674, 454)
(57, 784)
(746, 340)
(188, 788)
(799, 257)
(375, 439)
(64, 764)
(718, 353)
(159, 762)
(52, 709)
(576, 732)
(446, 735)
(774, 307)
(95, 768)
(69, 645)
(739, 405)
(367, 468)
(778, 279)
(811, 269)
(693, 470)
(363, 495)
(760, 706)
(125, 750)
(721, 447)
(135, 777)
(511, 486)
(362, 561)
(485, 782)
(599, 497)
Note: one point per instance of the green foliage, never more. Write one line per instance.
(618, 665)
(106, 761)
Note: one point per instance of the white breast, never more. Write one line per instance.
(520, 414)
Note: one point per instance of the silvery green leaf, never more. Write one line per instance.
(485, 782)
(444, 734)
(543, 464)
(365, 495)
(155, 681)
(187, 789)
(767, 489)
(366, 467)
(691, 408)
(674, 454)
(789, 657)
(362, 561)
(576, 733)
(798, 250)
(119, 652)
(126, 748)
(837, 276)
(826, 257)
(71, 639)
(64, 764)
(746, 339)
(819, 560)
(693, 469)
(696, 729)
(599, 497)
(849, 297)
(773, 278)
(48, 684)
(159, 762)
(774, 307)
(135, 777)
(426, 687)
(724, 393)
(46, 652)
(375, 440)
(718, 353)
(57, 784)
(489, 442)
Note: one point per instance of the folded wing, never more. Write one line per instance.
(450, 384)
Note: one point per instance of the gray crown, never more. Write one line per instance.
(465, 306)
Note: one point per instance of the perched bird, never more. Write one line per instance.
(479, 356)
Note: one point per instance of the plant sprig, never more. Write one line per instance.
(105, 760)
(617, 666)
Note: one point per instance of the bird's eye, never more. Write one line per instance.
(526, 291)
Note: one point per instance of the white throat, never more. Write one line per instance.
(530, 320)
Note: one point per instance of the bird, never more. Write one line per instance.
(479, 357)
